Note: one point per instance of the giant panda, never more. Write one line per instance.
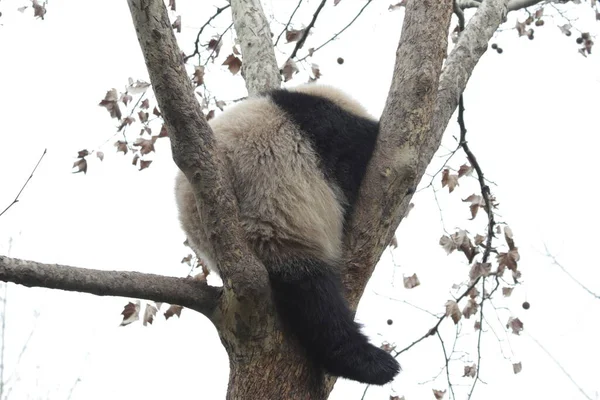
(296, 159)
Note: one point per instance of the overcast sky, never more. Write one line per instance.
(532, 120)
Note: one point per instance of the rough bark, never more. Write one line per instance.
(186, 292)
(259, 66)
(405, 124)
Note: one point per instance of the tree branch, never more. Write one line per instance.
(405, 124)
(513, 5)
(259, 66)
(194, 149)
(16, 200)
(288, 23)
(300, 42)
(187, 292)
(197, 42)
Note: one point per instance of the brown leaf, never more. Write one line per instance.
(149, 314)
(479, 239)
(539, 12)
(145, 145)
(521, 27)
(187, 259)
(479, 269)
(439, 394)
(293, 35)
(215, 44)
(448, 244)
(210, 115)
(145, 164)
(100, 155)
(507, 291)
(465, 170)
(82, 153)
(156, 112)
(172, 5)
(39, 10)
(177, 24)
(121, 146)
(81, 165)
(316, 71)
(110, 103)
(450, 180)
(411, 281)
(396, 6)
(476, 202)
(163, 131)
(470, 309)
(173, 310)
(470, 371)
(233, 63)
(130, 313)
(566, 29)
(143, 116)
(508, 260)
(477, 325)
(508, 236)
(145, 104)
(135, 159)
(289, 69)
(517, 367)
(220, 104)
(126, 98)
(453, 311)
(198, 78)
(515, 325)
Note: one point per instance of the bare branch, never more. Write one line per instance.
(300, 42)
(16, 200)
(563, 269)
(513, 5)
(288, 23)
(217, 45)
(339, 33)
(559, 365)
(472, 44)
(194, 148)
(187, 292)
(197, 42)
(259, 66)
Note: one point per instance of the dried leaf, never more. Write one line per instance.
(39, 10)
(215, 44)
(293, 35)
(81, 165)
(149, 314)
(145, 145)
(450, 180)
(470, 309)
(465, 170)
(198, 77)
(289, 69)
(439, 394)
(177, 24)
(145, 105)
(145, 164)
(411, 281)
(100, 155)
(515, 325)
(173, 310)
(479, 239)
(121, 146)
(479, 269)
(453, 311)
(130, 313)
(110, 103)
(470, 371)
(233, 63)
(507, 291)
(517, 367)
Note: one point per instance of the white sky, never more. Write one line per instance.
(532, 123)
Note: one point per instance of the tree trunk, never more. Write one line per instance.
(265, 361)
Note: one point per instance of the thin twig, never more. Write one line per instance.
(558, 364)
(559, 265)
(217, 45)
(300, 42)
(288, 23)
(197, 42)
(478, 367)
(447, 361)
(16, 200)
(337, 34)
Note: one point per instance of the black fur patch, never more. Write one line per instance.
(343, 141)
(308, 297)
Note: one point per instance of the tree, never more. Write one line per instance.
(421, 102)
